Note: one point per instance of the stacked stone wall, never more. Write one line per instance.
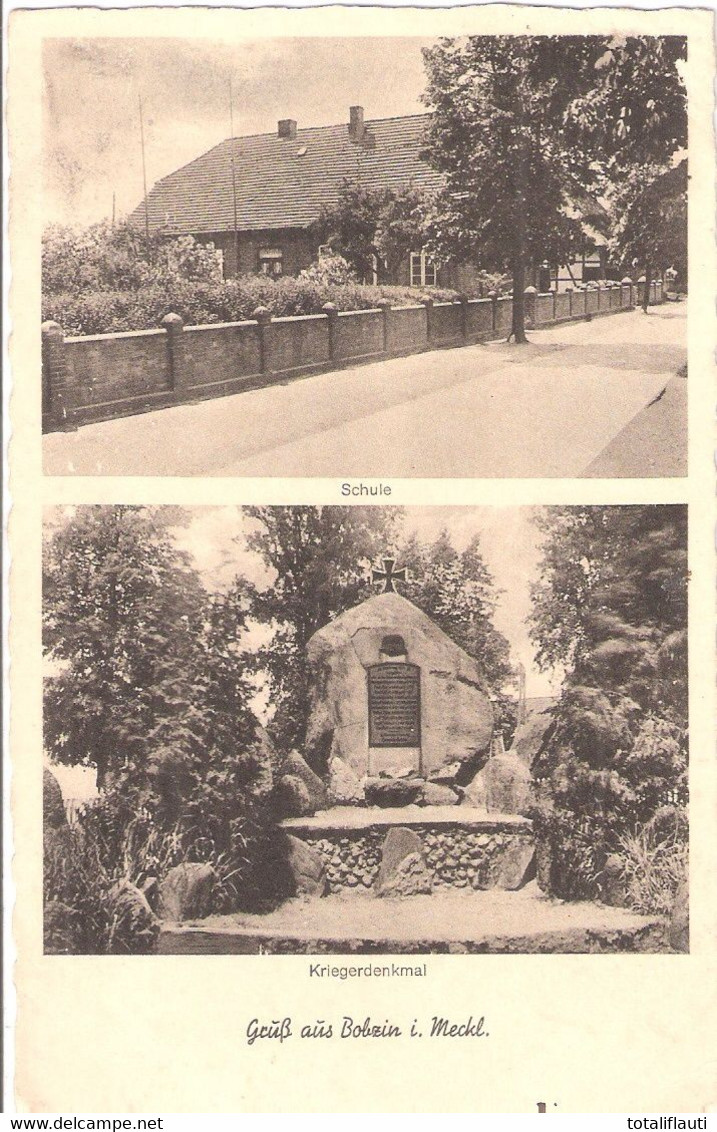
(457, 856)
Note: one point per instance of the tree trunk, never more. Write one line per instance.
(648, 282)
(518, 328)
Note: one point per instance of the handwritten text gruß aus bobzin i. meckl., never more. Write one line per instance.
(284, 1029)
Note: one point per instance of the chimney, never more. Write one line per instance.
(287, 128)
(356, 126)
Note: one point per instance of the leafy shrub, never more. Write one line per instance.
(329, 269)
(76, 888)
(233, 300)
(108, 257)
(114, 842)
(570, 856)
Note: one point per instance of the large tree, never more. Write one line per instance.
(635, 120)
(146, 680)
(457, 591)
(502, 135)
(610, 607)
(523, 126)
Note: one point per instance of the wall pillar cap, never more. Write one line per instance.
(426, 300)
(173, 322)
(492, 294)
(52, 328)
(382, 304)
(530, 291)
(262, 315)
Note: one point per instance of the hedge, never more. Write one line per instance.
(233, 300)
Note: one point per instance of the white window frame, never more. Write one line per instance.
(269, 260)
(422, 270)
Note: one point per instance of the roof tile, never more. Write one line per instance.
(285, 182)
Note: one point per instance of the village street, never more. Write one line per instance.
(597, 398)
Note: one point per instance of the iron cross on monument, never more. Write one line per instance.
(388, 575)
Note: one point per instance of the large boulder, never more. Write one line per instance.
(403, 869)
(679, 926)
(456, 713)
(134, 928)
(437, 795)
(345, 788)
(53, 807)
(529, 736)
(296, 766)
(291, 798)
(187, 891)
(307, 868)
(391, 792)
(502, 786)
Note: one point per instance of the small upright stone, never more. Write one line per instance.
(295, 765)
(403, 869)
(307, 868)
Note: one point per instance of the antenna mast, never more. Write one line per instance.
(234, 181)
(144, 177)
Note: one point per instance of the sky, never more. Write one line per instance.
(92, 89)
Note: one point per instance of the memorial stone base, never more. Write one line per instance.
(461, 847)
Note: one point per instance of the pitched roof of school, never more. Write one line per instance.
(285, 182)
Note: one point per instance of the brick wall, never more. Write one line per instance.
(109, 375)
(297, 250)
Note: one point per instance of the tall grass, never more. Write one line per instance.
(654, 861)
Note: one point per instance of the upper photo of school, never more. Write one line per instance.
(365, 257)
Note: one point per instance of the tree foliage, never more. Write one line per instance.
(524, 126)
(501, 136)
(610, 607)
(635, 119)
(457, 591)
(108, 257)
(373, 229)
(147, 682)
(650, 230)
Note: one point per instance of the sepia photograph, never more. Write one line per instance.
(365, 256)
(360, 551)
(351, 730)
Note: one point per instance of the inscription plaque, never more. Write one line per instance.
(394, 705)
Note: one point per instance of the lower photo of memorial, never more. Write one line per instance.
(346, 730)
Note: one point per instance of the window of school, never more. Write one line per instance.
(271, 261)
(423, 270)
